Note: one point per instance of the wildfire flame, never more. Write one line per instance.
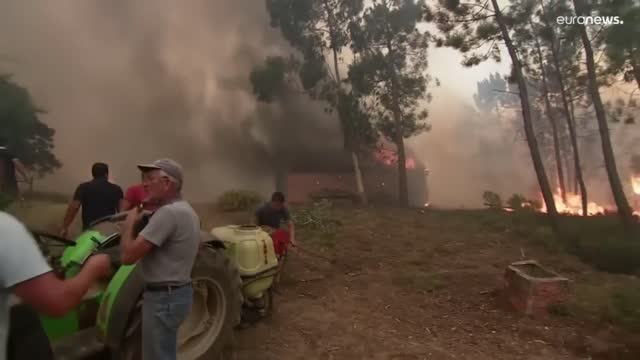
(635, 185)
(390, 157)
(573, 205)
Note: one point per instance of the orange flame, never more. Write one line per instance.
(573, 205)
(635, 184)
(389, 157)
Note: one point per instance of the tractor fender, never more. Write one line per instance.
(211, 241)
(215, 244)
(119, 300)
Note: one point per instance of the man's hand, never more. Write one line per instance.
(99, 265)
(134, 216)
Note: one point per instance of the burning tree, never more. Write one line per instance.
(624, 210)
(390, 69)
(559, 52)
(316, 28)
(469, 26)
(635, 179)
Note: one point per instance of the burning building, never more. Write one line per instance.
(333, 174)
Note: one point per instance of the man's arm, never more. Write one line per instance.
(292, 233)
(291, 227)
(158, 230)
(24, 270)
(56, 297)
(72, 211)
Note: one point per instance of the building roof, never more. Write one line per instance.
(337, 161)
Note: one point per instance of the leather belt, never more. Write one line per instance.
(164, 287)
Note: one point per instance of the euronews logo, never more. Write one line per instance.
(589, 20)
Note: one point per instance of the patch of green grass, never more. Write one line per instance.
(596, 240)
(612, 298)
(319, 217)
(601, 242)
(624, 308)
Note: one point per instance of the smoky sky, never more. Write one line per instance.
(129, 81)
(125, 82)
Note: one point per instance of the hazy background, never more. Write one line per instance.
(130, 81)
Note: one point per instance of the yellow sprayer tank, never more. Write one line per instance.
(251, 250)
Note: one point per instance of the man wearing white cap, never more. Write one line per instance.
(166, 249)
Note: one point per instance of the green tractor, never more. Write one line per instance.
(233, 276)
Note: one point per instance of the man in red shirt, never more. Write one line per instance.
(136, 196)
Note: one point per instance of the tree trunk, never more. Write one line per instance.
(571, 176)
(554, 124)
(538, 166)
(624, 210)
(577, 167)
(635, 67)
(403, 186)
(349, 143)
(570, 120)
(359, 183)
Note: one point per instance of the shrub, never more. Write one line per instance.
(238, 200)
(319, 216)
(492, 200)
(517, 202)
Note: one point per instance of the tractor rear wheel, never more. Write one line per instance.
(217, 304)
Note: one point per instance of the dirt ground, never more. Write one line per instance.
(414, 284)
(404, 285)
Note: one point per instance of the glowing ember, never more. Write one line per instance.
(573, 205)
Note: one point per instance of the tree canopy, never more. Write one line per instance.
(28, 137)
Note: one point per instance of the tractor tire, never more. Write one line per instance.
(208, 330)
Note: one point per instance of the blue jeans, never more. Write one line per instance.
(162, 313)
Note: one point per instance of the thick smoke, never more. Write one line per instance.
(468, 153)
(130, 81)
